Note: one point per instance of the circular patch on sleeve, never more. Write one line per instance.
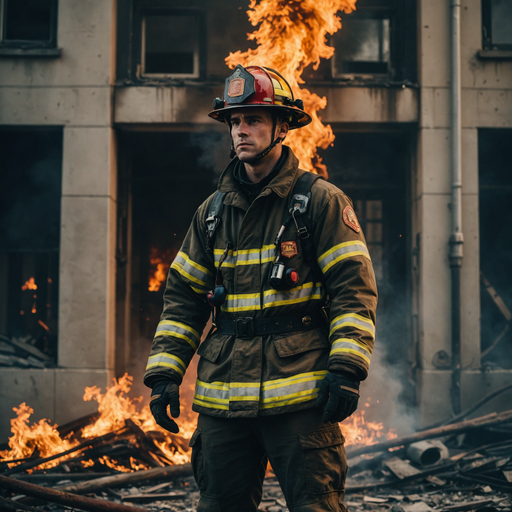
(350, 219)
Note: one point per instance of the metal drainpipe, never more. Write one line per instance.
(456, 238)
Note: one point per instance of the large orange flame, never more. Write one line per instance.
(160, 262)
(291, 36)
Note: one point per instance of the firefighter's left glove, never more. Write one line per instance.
(337, 396)
(165, 393)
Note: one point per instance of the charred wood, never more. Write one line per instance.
(169, 472)
(64, 498)
(6, 504)
(456, 428)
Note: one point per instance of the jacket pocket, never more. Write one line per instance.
(197, 459)
(211, 347)
(300, 341)
(325, 462)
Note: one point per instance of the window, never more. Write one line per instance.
(362, 46)
(497, 24)
(28, 24)
(170, 44)
(30, 197)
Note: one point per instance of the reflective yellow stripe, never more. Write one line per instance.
(353, 320)
(340, 252)
(242, 302)
(168, 361)
(178, 330)
(210, 399)
(349, 351)
(304, 293)
(210, 405)
(245, 256)
(192, 271)
(351, 346)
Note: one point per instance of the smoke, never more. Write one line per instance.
(214, 150)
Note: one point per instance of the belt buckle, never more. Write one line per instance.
(244, 327)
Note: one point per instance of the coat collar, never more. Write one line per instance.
(281, 184)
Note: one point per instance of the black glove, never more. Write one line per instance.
(164, 393)
(337, 395)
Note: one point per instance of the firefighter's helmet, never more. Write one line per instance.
(256, 86)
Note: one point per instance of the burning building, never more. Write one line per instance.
(106, 151)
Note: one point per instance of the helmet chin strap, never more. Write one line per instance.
(265, 152)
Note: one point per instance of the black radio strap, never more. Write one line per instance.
(213, 219)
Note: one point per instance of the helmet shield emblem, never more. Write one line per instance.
(239, 86)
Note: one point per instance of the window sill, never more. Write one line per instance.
(495, 54)
(52, 53)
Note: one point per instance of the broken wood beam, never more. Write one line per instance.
(169, 472)
(82, 446)
(455, 428)
(64, 498)
(6, 504)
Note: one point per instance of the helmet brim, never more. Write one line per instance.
(299, 117)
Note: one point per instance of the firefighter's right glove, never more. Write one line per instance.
(164, 393)
(337, 396)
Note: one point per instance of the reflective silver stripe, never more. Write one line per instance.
(243, 302)
(340, 252)
(348, 346)
(192, 271)
(168, 361)
(353, 320)
(306, 292)
(245, 256)
(222, 393)
(179, 330)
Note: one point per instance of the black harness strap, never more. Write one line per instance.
(213, 219)
(299, 211)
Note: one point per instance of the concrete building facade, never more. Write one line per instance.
(124, 123)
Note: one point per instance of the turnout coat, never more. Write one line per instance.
(275, 373)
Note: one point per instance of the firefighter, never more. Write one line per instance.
(281, 263)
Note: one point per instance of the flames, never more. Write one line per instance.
(160, 261)
(291, 36)
(115, 408)
(29, 285)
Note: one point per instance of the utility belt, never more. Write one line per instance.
(248, 327)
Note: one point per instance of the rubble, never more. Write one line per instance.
(474, 472)
(21, 353)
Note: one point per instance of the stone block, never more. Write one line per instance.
(435, 107)
(87, 274)
(88, 167)
(493, 108)
(470, 283)
(434, 174)
(434, 398)
(435, 291)
(55, 106)
(469, 146)
(34, 387)
(86, 33)
(434, 43)
(69, 392)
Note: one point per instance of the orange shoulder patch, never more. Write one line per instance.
(350, 219)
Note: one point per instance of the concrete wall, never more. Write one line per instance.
(73, 91)
(486, 102)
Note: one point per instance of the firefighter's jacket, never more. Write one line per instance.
(270, 374)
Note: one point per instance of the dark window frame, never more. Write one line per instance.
(140, 14)
(23, 44)
(374, 13)
(487, 43)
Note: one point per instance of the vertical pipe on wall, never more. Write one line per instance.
(456, 238)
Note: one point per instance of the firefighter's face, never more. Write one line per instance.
(251, 130)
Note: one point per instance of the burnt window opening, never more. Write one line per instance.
(362, 46)
(28, 24)
(171, 44)
(497, 24)
(495, 198)
(30, 198)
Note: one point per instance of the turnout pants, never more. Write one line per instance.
(229, 459)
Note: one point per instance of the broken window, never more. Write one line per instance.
(29, 23)
(362, 46)
(497, 24)
(495, 198)
(170, 44)
(30, 197)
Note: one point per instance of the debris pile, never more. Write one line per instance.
(22, 353)
(461, 466)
